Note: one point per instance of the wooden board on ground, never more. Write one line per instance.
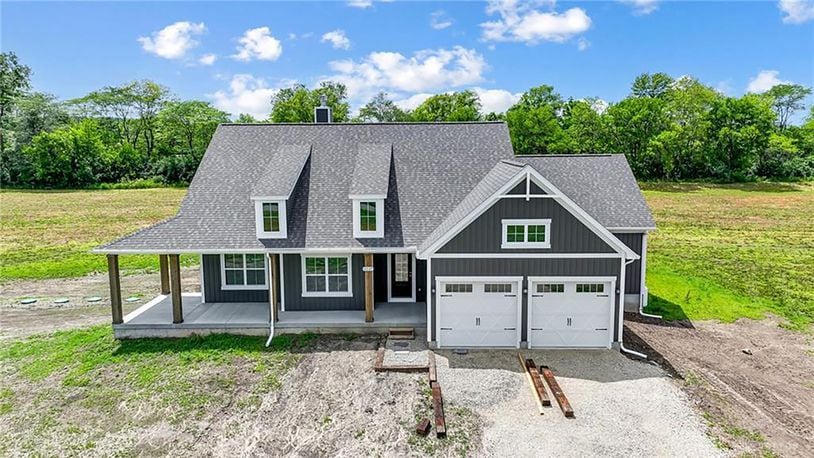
(538, 382)
(432, 373)
(438, 408)
(423, 427)
(531, 383)
(548, 375)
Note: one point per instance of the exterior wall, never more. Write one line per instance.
(568, 234)
(293, 288)
(448, 267)
(633, 273)
(212, 285)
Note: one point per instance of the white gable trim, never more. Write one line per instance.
(528, 173)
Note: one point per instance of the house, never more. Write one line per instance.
(364, 227)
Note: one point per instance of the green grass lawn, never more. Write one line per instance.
(49, 234)
(731, 251)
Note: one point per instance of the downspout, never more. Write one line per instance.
(272, 300)
(643, 288)
(622, 348)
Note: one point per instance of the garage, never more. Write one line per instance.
(479, 312)
(571, 312)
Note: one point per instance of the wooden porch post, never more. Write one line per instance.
(163, 264)
(115, 288)
(175, 289)
(273, 294)
(368, 287)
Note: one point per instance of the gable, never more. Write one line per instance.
(568, 234)
(533, 189)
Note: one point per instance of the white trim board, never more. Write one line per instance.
(527, 255)
(333, 250)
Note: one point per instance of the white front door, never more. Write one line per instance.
(571, 312)
(478, 312)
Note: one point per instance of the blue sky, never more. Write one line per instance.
(237, 54)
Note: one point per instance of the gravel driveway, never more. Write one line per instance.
(622, 407)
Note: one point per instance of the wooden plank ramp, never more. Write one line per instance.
(539, 386)
(534, 393)
(565, 406)
(438, 408)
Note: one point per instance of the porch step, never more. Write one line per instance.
(401, 333)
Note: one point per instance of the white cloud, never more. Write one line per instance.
(521, 22)
(642, 7)
(258, 44)
(207, 59)
(337, 39)
(496, 100)
(360, 3)
(410, 103)
(797, 11)
(764, 80)
(174, 40)
(246, 94)
(724, 87)
(426, 70)
(439, 20)
(583, 44)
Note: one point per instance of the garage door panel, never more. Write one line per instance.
(573, 314)
(478, 314)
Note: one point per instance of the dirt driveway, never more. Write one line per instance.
(622, 407)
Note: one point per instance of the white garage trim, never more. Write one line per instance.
(477, 279)
(559, 279)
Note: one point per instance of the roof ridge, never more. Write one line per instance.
(519, 156)
(321, 124)
(511, 162)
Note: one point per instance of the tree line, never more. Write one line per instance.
(140, 133)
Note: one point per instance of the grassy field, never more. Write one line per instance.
(49, 234)
(730, 251)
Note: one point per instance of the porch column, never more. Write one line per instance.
(273, 294)
(368, 269)
(175, 288)
(115, 288)
(163, 264)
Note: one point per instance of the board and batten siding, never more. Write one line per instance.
(212, 285)
(294, 301)
(485, 234)
(633, 273)
(534, 267)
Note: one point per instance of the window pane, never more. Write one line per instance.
(234, 277)
(337, 283)
(315, 283)
(255, 261)
(551, 288)
(515, 233)
(233, 261)
(497, 288)
(255, 277)
(271, 217)
(314, 265)
(536, 233)
(337, 265)
(458, 287)
(367, 216)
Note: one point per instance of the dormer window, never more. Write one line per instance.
(368, 218)
(270, 219)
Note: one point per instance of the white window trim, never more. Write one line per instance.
(258, 220)
(348, 293)
(226, 287)
(357, 229)
(526, 223)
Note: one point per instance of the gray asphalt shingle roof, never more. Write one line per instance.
(282, 171)
(438, 171)
(371, 172)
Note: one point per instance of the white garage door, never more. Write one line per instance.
(479, 313)
(571, 313)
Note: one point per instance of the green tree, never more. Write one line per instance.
(632, 124)
(297, 103)
(740, 129)
(67, 157)
(14, 81)
(455, 106)
(584, 128)
(186, 127)
(382, 109)
(787, 99)
(246, 118)
(534, 123)
(651, 85)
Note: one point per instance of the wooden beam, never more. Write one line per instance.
(368, 287)
(115, 288)
(548, 375)
(538, 382)
(438, 408)
(273, 294)
(423, 427)
(175, 287)
(164, 269)
(531, 383)
(432, 373)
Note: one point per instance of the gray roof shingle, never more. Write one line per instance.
(282, 171)
(371, 172)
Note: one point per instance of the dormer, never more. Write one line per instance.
(368, 189)
(271, 193)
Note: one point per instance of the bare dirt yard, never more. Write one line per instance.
(752, 380)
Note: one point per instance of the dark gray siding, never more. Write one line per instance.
(568, 234)
(534, 267)
(633, 273)
(213, 291)
(293, 288)
(521, 188)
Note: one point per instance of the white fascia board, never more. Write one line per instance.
(367, 196)
(267, 198)
(355, 250)
(631, 230)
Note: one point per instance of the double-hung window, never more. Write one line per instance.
(326, 276)
(243, 271)
(526, 233)
(270, 219)
(368, 217)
